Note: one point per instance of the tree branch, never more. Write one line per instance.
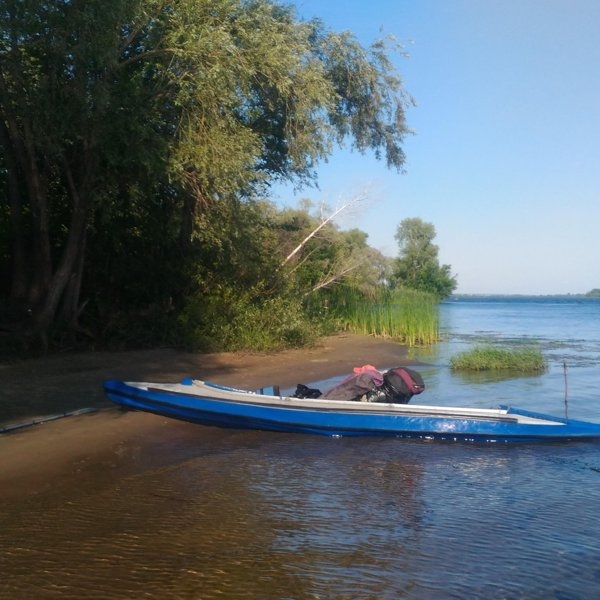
(359, 198)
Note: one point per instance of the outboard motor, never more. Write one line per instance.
(399, 386)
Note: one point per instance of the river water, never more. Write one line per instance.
(234, 514)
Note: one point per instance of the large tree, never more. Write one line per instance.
(124, 120)
(417, 266)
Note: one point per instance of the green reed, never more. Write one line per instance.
(409, 316)
(486, 357)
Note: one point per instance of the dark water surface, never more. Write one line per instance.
(204, 513)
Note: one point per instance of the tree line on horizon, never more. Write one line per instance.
(138, 141)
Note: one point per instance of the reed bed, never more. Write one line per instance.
(409, 316)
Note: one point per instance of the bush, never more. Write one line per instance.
(231, 320)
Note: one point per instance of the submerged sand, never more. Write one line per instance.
(31, 456)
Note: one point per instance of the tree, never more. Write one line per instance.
(122, 122)
(322, 255)
(324, 220)
(69, 108)
(417, 266)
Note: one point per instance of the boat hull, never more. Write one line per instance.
(214, 405)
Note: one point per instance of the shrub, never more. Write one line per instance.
(232, 320)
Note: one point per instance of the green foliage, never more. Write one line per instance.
(231, 318)
(595, 293)
(528, 359)
(417, 266)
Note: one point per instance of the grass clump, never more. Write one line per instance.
(526, 359)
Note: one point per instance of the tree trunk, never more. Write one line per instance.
(69, 260)
(41, 259)
(26, 164)
(19, 280)
(70, 308)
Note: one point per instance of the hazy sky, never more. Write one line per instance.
(505, 158)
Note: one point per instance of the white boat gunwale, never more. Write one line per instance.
(209, 391)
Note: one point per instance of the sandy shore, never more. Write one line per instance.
(31, 390)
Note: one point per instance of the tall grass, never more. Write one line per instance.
(409, 316)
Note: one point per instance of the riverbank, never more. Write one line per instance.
(32, 390)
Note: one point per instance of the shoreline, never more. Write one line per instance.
(36, 457)
(61, 383)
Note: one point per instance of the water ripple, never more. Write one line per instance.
(302, 517)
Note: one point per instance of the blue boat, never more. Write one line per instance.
(217, 405)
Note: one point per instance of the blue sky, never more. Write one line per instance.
(505, 159)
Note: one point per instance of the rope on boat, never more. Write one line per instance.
(46, 419)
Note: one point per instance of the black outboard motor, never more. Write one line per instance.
(399, 386)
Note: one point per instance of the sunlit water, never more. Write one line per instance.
(567, 330)
(207, 513)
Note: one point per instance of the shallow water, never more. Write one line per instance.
(566, 329)
(263, 515)
(203, 513)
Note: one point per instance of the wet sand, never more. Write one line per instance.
(31, 458)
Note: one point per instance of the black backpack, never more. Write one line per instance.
(401, 384)
(303, 391)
